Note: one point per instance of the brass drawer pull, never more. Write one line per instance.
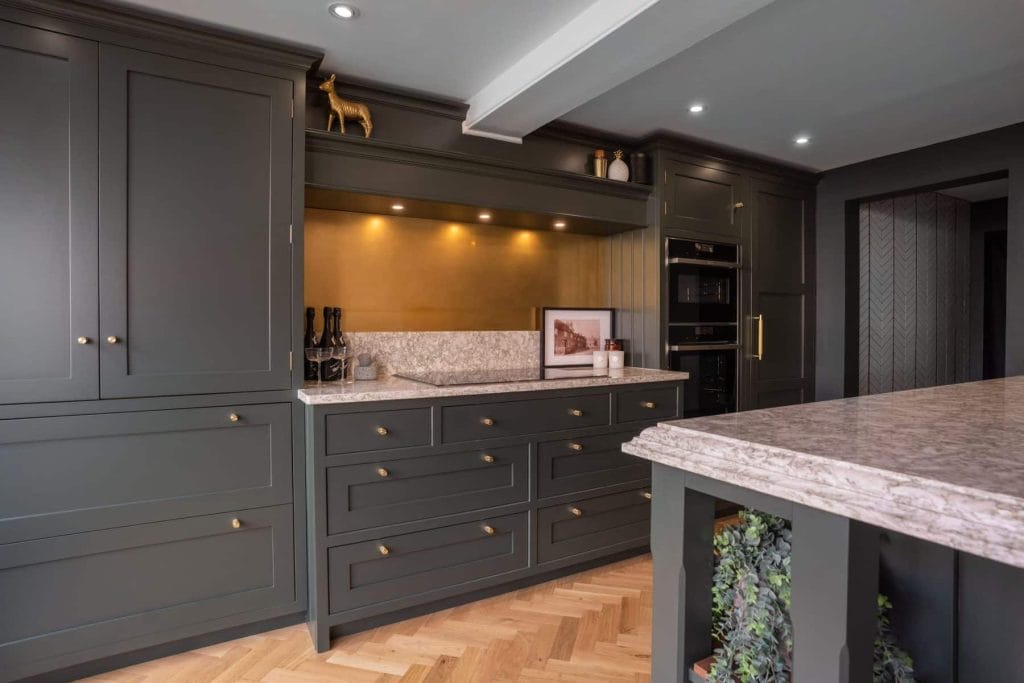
(487, 422)
(488, 529)
(576, 447)
(112, 339)
(738, 205)
(383, 550)
(649, 404)
(647, 495)
(236, 523)
(487, 458)
(83, 340)
(383, 472)
(576, 512)
(383, 431)
(234, 417)
(576, 412)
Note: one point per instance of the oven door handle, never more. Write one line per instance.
(760, 336)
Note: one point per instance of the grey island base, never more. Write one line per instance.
(944, 465)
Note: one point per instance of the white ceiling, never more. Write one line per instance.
(863, 78)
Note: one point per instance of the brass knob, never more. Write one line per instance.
(384, 550)
(234, 417)
(236, 523)
(487, 457)
(487, 422)
(488, 529)
(649, 404)
(576, 512)
(647, 495)
(576, 447)
(112, 339)
(576, 412)
(83, 340)
(738, 205)
(383, 431)
(382, 472)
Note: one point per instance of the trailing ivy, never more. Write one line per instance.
(750, 608)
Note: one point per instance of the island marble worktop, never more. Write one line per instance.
(944, 464)
(392, 388)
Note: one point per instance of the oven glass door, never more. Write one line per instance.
(702, 294)
(711, 389)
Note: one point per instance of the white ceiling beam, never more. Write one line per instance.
(607, 44)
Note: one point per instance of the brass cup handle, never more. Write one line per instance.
(760, 337)
(649, 404)
(383, 431)
(234, 417)
(487, 458)
(576, 447)
(576, 512)
(488, 529)
(576, 412)
(236, 523)
(113, 340)
(83, 340)
(487, 422)
(382, 472)
(383, 550)
(647, 495)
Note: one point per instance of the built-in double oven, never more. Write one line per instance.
(703, 322)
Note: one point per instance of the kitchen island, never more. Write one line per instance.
(943, 464)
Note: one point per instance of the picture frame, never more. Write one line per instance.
(569, 336)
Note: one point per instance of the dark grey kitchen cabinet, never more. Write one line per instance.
(702, 198)
(195, 208)
(781, 338)
(48, 204)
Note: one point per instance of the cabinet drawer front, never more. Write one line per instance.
(572, 465)
(647, 404)
(69, 474)
(393, 491)
(377, 430)
(421, 563)
(513, 418)
(80, 591)
(618, 519)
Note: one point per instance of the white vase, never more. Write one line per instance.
(618, 170)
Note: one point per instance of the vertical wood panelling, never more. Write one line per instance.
(904, 306)
(864, 364)
(945, 226)
(637, 283)
(880, 298)
(962, 299)
(634, 279)
(926, 276)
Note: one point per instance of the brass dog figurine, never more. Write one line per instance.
(344, 109)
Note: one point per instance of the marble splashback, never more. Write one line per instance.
(433, 351)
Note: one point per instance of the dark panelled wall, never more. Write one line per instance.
(1000, 150)
(914, 323)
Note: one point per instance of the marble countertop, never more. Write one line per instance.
(392, 388)
(944, 464)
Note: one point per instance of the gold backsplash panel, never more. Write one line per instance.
(392, 273)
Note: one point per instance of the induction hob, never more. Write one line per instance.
(446, 378)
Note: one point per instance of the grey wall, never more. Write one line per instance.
(924, 168)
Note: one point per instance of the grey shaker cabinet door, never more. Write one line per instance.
(47, 216)
(82, 591)
(579, 464)
(617, 520)
(61, 475)
(195, 205)
(702, 199)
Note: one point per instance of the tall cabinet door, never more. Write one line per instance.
(781, 330)
(47, 216)
(195, 200)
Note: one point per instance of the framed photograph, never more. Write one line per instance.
(569, 336)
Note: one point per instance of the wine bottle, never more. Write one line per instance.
(326, 342)
(339, 342)
(309, 368)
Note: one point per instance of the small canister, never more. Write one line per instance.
(616, 360)
(600, 164)
(600, 359)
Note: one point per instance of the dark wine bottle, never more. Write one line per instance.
(326, 342)
(309, 368)
(339, 342)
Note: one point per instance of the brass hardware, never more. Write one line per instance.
(345, 109)
(383, 472)
(576, 512)
(487, 422)
(738, 205)
(576, 412)
(83, 340)
(576, 447)
(234, 417)
(760, 337)
(647, 495)
(236, 523)
(383, 431)
(384, 550)
(487, 457)
(112, 339)
(649, 404)
(488, 529)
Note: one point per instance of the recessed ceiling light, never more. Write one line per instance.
(696, 108)
(484, 216)
(802, 139)
(342, 11)
(559, 225)
(398, 207)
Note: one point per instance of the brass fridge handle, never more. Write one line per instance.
(760, 337)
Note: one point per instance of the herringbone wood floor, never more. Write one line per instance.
(592, 627)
